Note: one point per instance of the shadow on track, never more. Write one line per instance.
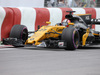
(40, 48)
(57, 49)
(89, 48)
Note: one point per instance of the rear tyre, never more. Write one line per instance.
(71, 36)
(20, 32)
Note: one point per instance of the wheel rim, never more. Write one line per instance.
(76, 38)
(24, 35)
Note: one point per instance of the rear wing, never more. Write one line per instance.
(95, 21)
(88, 20)
(85, 17)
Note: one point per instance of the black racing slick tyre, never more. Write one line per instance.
(71, 37)
(20, 32)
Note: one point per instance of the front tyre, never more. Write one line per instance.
(20, 32)
(71, 36)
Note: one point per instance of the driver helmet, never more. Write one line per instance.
(65, 22)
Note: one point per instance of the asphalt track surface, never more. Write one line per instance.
(45, 61)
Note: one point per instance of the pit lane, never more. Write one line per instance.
(46, 61)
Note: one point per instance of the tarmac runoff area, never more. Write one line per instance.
(46, 61)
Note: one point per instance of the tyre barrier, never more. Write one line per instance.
(32, 17)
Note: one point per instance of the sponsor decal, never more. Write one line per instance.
(32, 39)
(87, 17)
(42, 29)
(61, 44)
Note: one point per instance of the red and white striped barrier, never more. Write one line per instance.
(2, 16)
(32, 17)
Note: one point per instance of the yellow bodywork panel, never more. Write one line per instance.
(96, 34)
(70, 23)
(45, 32)
(85, 36)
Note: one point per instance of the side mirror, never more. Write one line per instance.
(47, 22)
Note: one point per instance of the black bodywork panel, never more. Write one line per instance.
(13, 41)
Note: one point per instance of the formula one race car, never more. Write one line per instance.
(69, 35)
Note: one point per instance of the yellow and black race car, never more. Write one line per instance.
(69, 35)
